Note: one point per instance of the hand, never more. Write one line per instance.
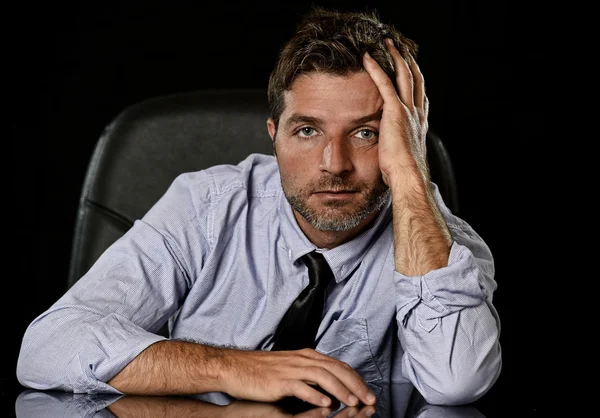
(404, 124)
(271, 376)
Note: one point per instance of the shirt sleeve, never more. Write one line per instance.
(113, 312)
(447, 325)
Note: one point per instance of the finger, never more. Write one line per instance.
(343, 382)
(404, 76)
(352, 381)
(419, 83)
(308, 394)
(382, 81)
(343, 373)
(332, 385)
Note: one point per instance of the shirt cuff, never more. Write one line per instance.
(440, 292)
(115, 344)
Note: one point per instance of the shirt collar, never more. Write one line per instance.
(343, 259)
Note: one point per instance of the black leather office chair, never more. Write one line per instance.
(150, 143)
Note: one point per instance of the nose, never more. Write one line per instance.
(336, 157)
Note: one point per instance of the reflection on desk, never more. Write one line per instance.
(394, 401)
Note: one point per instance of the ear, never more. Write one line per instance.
(272, 132)
(271, 128)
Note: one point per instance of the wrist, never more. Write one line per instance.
(405, 179)
(218, 367)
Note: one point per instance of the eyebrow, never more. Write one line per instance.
(299, 118)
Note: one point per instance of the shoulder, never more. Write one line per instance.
(255, 175)
(216, 191)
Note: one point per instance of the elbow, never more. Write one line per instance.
(459, 393)
(34, 367)
(29, 373)
(465, 387)
(27, 378)
(45, 361)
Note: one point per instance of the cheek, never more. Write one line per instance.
(297, 159)
(290, 167)
(367, 163)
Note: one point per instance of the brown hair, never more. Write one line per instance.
(333, 42)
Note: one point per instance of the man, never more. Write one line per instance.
(220, 255)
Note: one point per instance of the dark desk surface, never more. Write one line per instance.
(397, 401)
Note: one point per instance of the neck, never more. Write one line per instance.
(331, 239)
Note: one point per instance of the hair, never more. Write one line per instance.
(333, 42)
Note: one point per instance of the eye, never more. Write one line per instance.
(306, 132)
(366, 134)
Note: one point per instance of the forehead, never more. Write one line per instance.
(332, 97)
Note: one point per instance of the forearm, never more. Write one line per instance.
(422, 240)
(180, 368)
(174, 368)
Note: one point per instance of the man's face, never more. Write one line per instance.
(326, 147)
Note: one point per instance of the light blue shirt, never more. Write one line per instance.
(218, 257)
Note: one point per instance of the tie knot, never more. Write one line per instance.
(319, 272)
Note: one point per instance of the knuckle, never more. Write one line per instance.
(345, 366)
(292, 386)
(388, 83)
(305, 351)
(316, 371)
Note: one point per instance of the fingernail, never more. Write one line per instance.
(325, 401)
(352, 400)
(326, 412)
(389, 41)
(370, 397)
(369, 412)
(367, 56)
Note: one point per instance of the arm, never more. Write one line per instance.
(182, 368)
(101, 335)
(422, 240)
(100, 324)
(113, 313)
(448, 327)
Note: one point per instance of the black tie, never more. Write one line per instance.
(299, 325)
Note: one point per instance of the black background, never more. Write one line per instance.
(76, 66)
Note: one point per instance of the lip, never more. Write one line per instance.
(340, 194)
(336, 191)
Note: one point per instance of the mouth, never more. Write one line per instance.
(336, 191)
(335, 194)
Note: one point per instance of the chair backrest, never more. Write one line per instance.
(150, 143)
